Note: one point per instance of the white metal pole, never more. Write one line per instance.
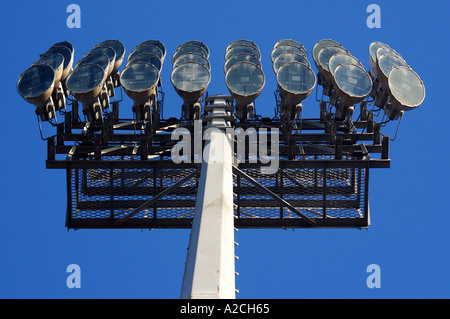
(209, 270)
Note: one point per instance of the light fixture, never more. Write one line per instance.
(245, 82)
(152, 49)
(140, 81)
(111, 53)
(291, 43)
(406, 90)
(242, 48)
(373, 48)
(397, 88)
(119, 50)
(190, 81)
(99, 58)
(241, 42)
(104, 61)
(68, 59)
(188, 49)
(277, 51)
(147, 58)
(56, 62)
(239, 58)
(43, 84)
(319, 45)
(323, 57)
(341, 58)
(289, 57)
(85, 83)
(244, 76)
(36, 86)
(141, 78)
(157, 44)
(295, 79)
(196, 43)
(352, 84)
(385, 64)
(192, 57)
(190, 76)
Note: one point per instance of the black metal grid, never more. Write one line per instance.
(120, 173)
(321, 196)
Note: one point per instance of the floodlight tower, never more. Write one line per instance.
(121, 172)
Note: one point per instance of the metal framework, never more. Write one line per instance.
(120, 173)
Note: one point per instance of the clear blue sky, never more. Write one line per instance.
(410, 212)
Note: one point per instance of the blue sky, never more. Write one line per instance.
(410, 213)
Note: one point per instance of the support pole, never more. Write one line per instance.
(209, 270)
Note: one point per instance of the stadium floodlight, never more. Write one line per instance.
(68, 45)
(99, 58)
(296, 81)
(291, 43)
(286, 49)
(406, 91)
(385, 50)
(85, 83)
(155, 43)
(242, 48)
(324, 76)
(190, 76)
(245, 82)
(324, 57)
(243, 75)
(56, 62)
(110, 53)
(319, 45)
(373, 48)
(341, 58)
(289, 57)
(188, 49)
(119, 50)
(36, 86)
(111, 77)
(140, 80)
(241, 42)
(397, 88)
(196, 43)
(192, 57)
(190, 81)
(239, 58)
(352, 84)
(379, 52)
(147, 58)
(68, 58)
(146, 49)
(385, 64)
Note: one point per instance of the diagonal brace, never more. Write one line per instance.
(283, 202)
(157, 197)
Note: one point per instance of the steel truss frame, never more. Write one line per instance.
(120, 173)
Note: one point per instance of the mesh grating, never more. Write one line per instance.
(331, 197)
